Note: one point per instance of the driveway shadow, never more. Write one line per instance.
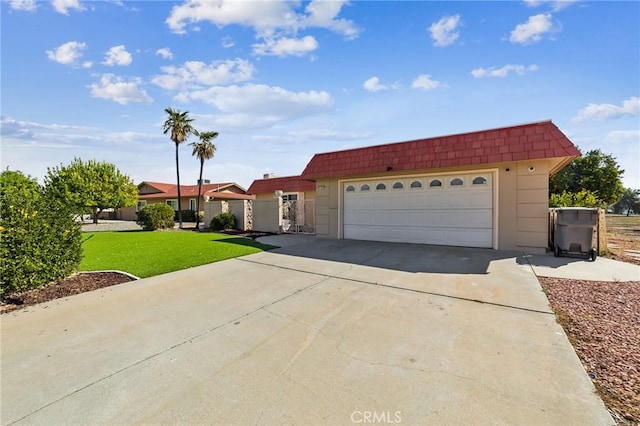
(413, 258)
(550, 261)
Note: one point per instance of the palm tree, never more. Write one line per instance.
(179, 124)
(204, 150)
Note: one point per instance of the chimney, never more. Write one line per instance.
(268, 175)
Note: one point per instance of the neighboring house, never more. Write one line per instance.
(167, 193)
(480, 189)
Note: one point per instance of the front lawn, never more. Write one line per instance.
(145, 254)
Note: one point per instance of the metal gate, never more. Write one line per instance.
(299, 217)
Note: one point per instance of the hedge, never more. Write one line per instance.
(40, 242)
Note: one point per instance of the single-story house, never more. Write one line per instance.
(480, 189)
(291, 188)
(158, 192)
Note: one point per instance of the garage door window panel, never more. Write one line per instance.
(456, 182)
(435, 183)
(480, 180)
(416, 184)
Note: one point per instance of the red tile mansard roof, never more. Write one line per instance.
(522, 142)
(286, 184)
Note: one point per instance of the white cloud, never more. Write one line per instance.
(116, 89)
(10, 122)
(533, 30)
(373, 85)
(195, 74)
(425, 82)
(261, 15)
(26, 5)
(286, 46)
(165, 52)
(324, 14)
(504, 71)
(63, 6)
(618, 136)
(67, 53)
(444, 31)
(556, 5)
(258, 105)
(227, 42)
(118, 55)
(630, 106)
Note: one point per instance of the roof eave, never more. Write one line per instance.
(561, 165)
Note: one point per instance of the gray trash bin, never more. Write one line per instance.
(573, 231)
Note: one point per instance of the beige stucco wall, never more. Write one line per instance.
(267, 215)
(523, 205)
(239, 210)
(520, 195)
(212, 208)
(126, 213)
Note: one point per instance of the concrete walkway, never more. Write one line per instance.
(321, 332)
(579, 268)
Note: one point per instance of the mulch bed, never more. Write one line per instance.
(75, 284)
(246, 234)
(602, 321)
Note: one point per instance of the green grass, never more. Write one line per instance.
(145, 254)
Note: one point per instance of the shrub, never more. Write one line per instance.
(187, 216)
(40, 241)
(223, 221)
(156, 216)
(583, 198)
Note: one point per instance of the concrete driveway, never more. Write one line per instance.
(323, 332)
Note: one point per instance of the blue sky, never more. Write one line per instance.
(281, 81)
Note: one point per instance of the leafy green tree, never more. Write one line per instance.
(204, 149)
(92, 185)
(40, 241)
(595, 172)
(572, 199)
(628, 203)
(179, 125)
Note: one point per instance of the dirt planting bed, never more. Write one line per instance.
(602, 321)
(75, 284)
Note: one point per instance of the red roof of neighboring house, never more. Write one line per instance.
(168, 190)
(523, 142)
(286, 184)
(229, 196)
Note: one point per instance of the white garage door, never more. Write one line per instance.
(452, 210)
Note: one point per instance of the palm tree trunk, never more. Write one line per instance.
(178, 178)
(199, 194)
